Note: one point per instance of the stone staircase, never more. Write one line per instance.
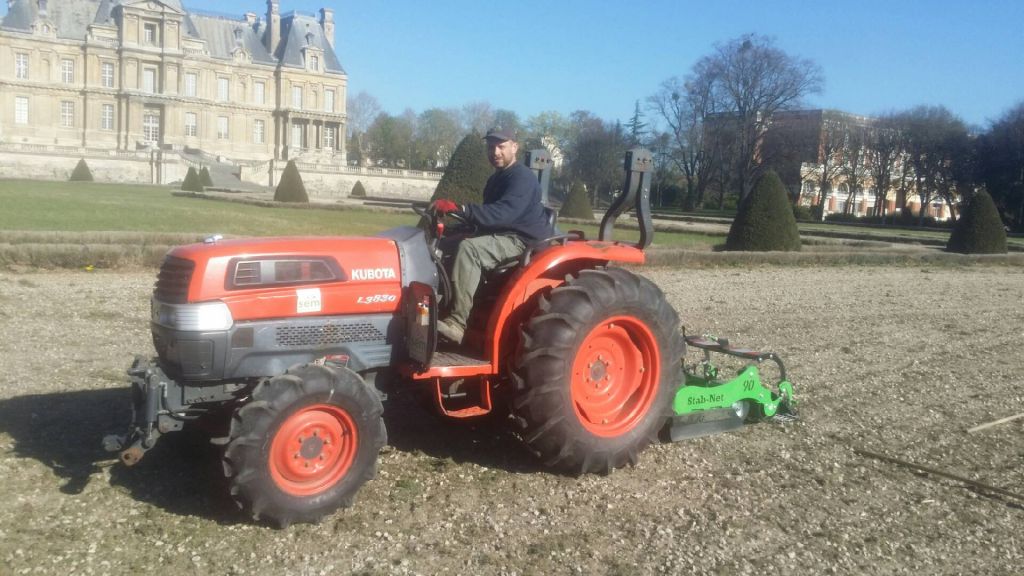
(223, 172)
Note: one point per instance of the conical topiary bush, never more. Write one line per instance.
(357, 190)
(979, 229)
(765, 219)
(290, 188)
(81, 173)
(204, 177)
(467, 172)
(577, 203)
(191, 182)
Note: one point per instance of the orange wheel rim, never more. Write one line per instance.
(313, 449)
(615, 376)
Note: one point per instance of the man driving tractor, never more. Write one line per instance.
(510, 217)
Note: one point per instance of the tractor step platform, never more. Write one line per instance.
(457, 358)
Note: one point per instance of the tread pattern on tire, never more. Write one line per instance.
(542, 402)
(253, 427)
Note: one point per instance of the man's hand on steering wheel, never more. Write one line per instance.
(443, 206)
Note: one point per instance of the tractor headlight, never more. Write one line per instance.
(203, 317)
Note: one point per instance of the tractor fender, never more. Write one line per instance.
(546, 270)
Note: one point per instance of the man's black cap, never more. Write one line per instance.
(500, 134)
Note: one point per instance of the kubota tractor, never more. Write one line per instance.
(296, 341)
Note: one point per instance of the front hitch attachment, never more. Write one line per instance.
(150, 418)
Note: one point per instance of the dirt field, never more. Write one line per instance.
(894, 361)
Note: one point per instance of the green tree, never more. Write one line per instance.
(979, 229)
(577, 204)
(81, 173)
(636, 128)
(389, 140)
(467, 172)
(437, 134)
(204, 177)
(765, 219)
(191, 182)
(290, 188)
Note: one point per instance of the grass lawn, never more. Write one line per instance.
(100, 207)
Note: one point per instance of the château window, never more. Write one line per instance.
(107, 74)
(191, 82)
(21, 109)
(191, 124)
(328, 100)
(67, 71)
(328, 137)
(67, 114)
(149, 33)
(151, 126)
(258, 131)
(21, 66)
(223, 89)
(297, 97)
(222, 127)
(314, 63)
(107, 117)
(149, 80)
(259, 93)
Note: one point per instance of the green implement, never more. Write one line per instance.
(707, 405)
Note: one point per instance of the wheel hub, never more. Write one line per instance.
(615, 376)
(313, 449)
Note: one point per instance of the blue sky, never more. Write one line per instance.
(602, 55)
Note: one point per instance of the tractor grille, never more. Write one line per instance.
(326, 334)
(173, 280)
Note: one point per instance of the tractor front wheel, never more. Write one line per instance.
(304, 445)
(599, 363)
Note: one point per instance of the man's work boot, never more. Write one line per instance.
(451, 331)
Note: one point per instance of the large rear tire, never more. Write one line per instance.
(304, 445)
(600, 360)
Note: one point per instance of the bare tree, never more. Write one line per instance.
(935, 144)
(853, 165)
(361, 109)
(884, 152)
(683, 106)
(477, 117)
(1001, 164)
(834, 134)
(750, 79)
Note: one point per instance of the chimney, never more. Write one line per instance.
(327, 23)
(250, 18)
(273, 37)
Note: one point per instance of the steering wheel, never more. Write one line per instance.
(423, 210)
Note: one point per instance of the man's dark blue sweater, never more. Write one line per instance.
(511, 204)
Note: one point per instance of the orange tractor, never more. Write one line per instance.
(296, 341)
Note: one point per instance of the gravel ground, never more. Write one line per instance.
(896, 361)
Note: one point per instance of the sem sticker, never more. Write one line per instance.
(307, 300)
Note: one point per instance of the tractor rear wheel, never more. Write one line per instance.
(304, 445)
(594, 378)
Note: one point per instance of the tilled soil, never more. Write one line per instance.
(898, 362)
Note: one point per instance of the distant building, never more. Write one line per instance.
(802, 145)
(131, 75)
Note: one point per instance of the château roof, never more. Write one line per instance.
(222, 34)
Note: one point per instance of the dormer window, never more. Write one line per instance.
(314, 63)
(238, 35)
(149, 33)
